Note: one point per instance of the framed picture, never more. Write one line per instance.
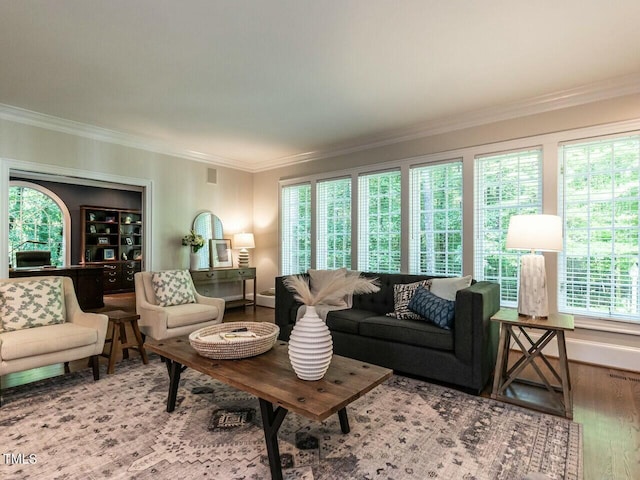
(103, 240)
(129, 241)
(220, 253)
(137, 254)
(92, 229)
(109, 254)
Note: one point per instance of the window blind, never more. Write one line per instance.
(379, 225)
(333, 224)
(436, 219)
(505, 184)
(295, 245)
(600, 199)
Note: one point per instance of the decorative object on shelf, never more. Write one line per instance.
(137, 254)
(534, 232)
(196, 242)
(220, 252)
(243, 241)
(109, 254)
(103, 241)
(231, 340)
(310, 343)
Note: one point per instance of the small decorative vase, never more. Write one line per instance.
(310, 346)
(194, 261)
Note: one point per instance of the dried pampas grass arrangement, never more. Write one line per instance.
(338, 288)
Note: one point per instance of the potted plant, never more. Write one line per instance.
(196, 242)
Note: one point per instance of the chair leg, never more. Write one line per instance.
(66, 367)
(95, 366)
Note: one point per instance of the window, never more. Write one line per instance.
(37, 215)
(436, 219)
(379, 210)
(600, 198)
(506, 184)
(296, 229)
(333, 245)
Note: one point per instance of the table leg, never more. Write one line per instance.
(175, 369)
(271, 421)
(503, 347)
(344, 420)
(567, 393)
(115, 346)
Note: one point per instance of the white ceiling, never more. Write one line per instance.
(255, 84)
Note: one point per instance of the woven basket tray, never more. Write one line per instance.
(221, 349)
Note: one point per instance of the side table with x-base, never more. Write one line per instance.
(508, 386)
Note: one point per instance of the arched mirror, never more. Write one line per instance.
(209, 226)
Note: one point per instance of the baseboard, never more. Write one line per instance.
(596, 353)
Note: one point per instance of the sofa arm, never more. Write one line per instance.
(285, 305)
(98, 321)
(473, 330)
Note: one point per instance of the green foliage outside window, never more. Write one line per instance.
(34, 216)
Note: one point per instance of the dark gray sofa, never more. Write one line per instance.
(464, 356)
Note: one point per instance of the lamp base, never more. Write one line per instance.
(533, 300)
(243, 258)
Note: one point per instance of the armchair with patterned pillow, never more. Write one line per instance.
(169, 305)
(42, 324)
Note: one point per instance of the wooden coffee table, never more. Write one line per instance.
(270, 378)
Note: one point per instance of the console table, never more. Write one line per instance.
(207, 281)
(509, 387)
(87, 281)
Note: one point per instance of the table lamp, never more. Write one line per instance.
(534, 232)
(243, 241)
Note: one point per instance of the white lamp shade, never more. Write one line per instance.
(243, 240)
(535, 232)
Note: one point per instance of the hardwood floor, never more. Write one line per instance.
(606, 402)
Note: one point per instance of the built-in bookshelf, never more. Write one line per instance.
(113, 238)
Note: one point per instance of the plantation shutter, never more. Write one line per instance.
(600, 199)
(436, 219)
(505, 184)
(379, 225)
(295, 218)
(333, 223)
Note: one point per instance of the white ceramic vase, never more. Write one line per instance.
(194, 261)
(310, 346)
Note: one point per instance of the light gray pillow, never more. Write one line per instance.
(173, 287)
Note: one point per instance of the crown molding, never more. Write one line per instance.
(604, 90)
(71, 127)
(607, 89)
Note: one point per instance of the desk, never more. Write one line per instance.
(206, 282)
(87, 281)
(507, 386)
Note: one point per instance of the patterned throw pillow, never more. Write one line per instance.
(173, 287)
(34, 303)
(437, 310)
(402, 294)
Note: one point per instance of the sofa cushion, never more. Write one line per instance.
(409, 332)
(48, 339)
(436, 310)
(173, 287)
(402, 294)
(190, 313)
(32, 303)
(448, 287)
(347, 321)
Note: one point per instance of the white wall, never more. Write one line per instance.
(178, 187)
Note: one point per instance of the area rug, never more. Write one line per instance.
(71, 427)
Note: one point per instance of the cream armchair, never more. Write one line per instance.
(81, 335)
(160, 323)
